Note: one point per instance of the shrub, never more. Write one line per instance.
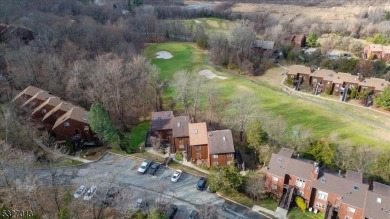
(179, 156)
(300, 203)
(328, 91)
(289, 81)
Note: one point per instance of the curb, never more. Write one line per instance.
(221, 196)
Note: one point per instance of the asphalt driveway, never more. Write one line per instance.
(113, 170)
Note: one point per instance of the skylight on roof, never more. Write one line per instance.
(178, 124)
(323, 180)
(196, 131)
(280, 160)
(378, 200)
(356, 188)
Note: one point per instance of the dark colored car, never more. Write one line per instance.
(110, 196)
(193, 215)
(153, 169)
(171, 211)
(201, 185)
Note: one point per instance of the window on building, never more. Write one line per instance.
(181, 146)
(346, 217)
(314, 80)
(351, 209)
(197, 154)
(180, 139)
(378, 200)
(322, 195)
(197, 148)
(215, 163)
(275, 179)
(320, 205)
(337, 85)
(66, 124)
(274, 187)
(215, 156)
(300, 183)
(229, 162)
(229, 155)
(301, 193)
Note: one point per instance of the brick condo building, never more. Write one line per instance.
(338, 196)
(62, 119)
(212, 148)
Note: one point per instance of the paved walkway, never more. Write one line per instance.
(185, 163)
(279, 213)
(49, 150)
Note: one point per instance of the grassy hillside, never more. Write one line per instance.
(319, 118)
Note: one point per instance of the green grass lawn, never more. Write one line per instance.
(296, 213)
(138, 134)
(293, 110)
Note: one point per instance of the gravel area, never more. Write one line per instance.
(210, 75)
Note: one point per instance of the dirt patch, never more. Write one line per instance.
(210, 75)
(272, 76)
(163, 55)
(213, 23)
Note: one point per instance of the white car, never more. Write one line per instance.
(176, 175)
(80, 191)
(144, 166)
(90, 193)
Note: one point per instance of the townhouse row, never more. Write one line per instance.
(213, 148)
(62, 120)
(338, 196)
(376, 51)
(323, 79)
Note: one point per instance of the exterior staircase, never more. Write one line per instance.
(286, 198)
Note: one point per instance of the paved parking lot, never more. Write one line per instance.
(121, 172)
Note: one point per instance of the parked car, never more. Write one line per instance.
(91, 191)
(153, 168)
(201, 185)
(140, 203)
(110, 196)
(193, 215)
(80, 191)
(171, 211)
(144, 166)
(176, 175)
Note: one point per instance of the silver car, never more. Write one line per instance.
(144, 166)
(91, 191)
(80, 191)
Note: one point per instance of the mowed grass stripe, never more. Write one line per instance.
(293, 110)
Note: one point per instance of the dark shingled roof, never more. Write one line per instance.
(41, 95)
(76, 113)
(29, 91)
(352, 192)
(378, 202)
(162, 120)
(63, 107)
(52, 101)
(180, 126)
(280, 165)
(220, 142)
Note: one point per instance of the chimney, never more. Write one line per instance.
(315, 171)
(360, 76)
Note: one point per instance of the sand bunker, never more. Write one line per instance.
(163, 55)
(198, 21)
(210, 75)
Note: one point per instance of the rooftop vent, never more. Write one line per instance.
(178, 124)
(196, 131)
(224, 138)
(159, 117)
(280, 160)
(323, 180)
